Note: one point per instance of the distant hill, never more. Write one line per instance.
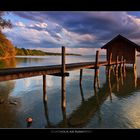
(7, 49)
(25, 52)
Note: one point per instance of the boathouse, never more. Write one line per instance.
(121, 46)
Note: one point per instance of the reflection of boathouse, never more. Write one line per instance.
(121, 46)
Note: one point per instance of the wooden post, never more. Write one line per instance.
(121, 69)
(134, 64)
(81, 73)
(44, 88)
(63, 82)
(117, 65)
(110, 58)
(124, 72)
(96, 77)
(117, 73)
(135, 78)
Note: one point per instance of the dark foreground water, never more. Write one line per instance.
(114, 105)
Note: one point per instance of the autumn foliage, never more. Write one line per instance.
(7, 49)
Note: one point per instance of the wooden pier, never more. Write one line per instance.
(62, 71)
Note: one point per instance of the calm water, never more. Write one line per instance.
(115, 106)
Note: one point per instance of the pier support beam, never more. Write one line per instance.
(96, 76)
(63, 81)
(44, 88)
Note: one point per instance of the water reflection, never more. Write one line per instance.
(46, 114)
(91, 107)
(8, 63)
(120, 87)
(8, 105)
(81, 91)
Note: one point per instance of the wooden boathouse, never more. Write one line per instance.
(121, 46)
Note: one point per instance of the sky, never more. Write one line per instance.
(81, 32)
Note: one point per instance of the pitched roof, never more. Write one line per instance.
(120, 37)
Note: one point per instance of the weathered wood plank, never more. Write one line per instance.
(60, 74)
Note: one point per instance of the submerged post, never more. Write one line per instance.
(44, 88)
(96, 77)
(63, 81)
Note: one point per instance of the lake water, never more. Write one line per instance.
(115, 107)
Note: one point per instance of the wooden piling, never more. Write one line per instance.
(121, 69)
(44, 88)
(81, 74)
(124, 72)
(63, 81)
(135, 78)
(117, 59)
(110, 58)
(96, 76)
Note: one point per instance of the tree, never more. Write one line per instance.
(3, 22)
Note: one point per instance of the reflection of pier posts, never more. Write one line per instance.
(108, 74)
(46, 114)
(65, 123)
(96, 95)
(81, 91)
(109, 82)
(81, 74)
(96, 76)
(44, 88)
(63, 81)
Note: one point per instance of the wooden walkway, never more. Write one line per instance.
(24, 72)
(59, 70)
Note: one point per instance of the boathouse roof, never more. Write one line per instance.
(118, 38)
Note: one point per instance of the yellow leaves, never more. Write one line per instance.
(6, 47)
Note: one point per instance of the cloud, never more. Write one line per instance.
(38, 25)
(73, 28)
(20, 24)
(28, 36)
